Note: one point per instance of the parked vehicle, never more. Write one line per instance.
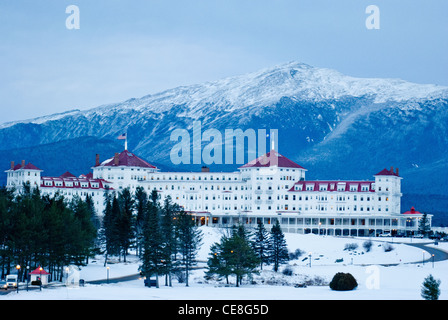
(11, 280)
(3, 285)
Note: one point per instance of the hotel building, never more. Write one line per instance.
(269, 188)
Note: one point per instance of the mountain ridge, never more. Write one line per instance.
(293, 79)
(336, 126)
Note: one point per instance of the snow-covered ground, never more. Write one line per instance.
(375, 279)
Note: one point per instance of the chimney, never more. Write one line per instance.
(396, 170)
(23, 163)
(116, 161)
(97, 160)
(12, 165)
(391, 169)
(205, 169)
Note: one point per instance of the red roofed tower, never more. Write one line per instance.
(388, 189)
(123, 169)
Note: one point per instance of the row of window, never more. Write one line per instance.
(318, 222)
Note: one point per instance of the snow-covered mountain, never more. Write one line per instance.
(335, 125)
(260, 89)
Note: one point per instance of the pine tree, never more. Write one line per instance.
(153, 246)
(43, 230)
(279, 251)
(430, 288)
(140, 202)
(424, 227)
(218, 261)
(189, 240)
(87, 231)
(233, 255)
(125, 221)
(261, 242)
(243, 258)
(168, 212)
(110, 226)
(6, 205)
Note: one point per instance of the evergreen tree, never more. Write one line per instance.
(243, 259)
(233, 255)
(424, 227)
(169, 239)
(189, 240)
(140, 201)
(279, 250)
(430, 288)
(96, 223)
(261, 242)
(6, 204)
(43, 230)
(125, 221)
(218, 261)
(153, 246)
(110, 226)
(84, 216)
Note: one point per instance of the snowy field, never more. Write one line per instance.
(376, 281)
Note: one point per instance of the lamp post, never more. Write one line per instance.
(40, 279)
(310, 258)
(66, 276)
(108, 274)
(433, 260)
(18, 271)
(27, 276)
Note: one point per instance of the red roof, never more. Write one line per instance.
(37, 271)
(386, 172)
(272, 158)
(412, 211)
(73, 183)
(67, 175)
(127, 159)
(28, 166)
(346, 186)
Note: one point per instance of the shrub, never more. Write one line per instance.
(296, 254)
(343, 282)
(287, 271)
(367, 245)
(388, 247)
(351, 246)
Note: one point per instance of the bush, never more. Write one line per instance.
(351, 246)
(296, 254)
(343, 282)
(287, 271)
(388, 247)
(367, 245)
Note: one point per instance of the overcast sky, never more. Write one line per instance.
(125, 49)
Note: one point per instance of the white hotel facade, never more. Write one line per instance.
(269, 188)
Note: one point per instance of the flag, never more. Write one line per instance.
(122, 136)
